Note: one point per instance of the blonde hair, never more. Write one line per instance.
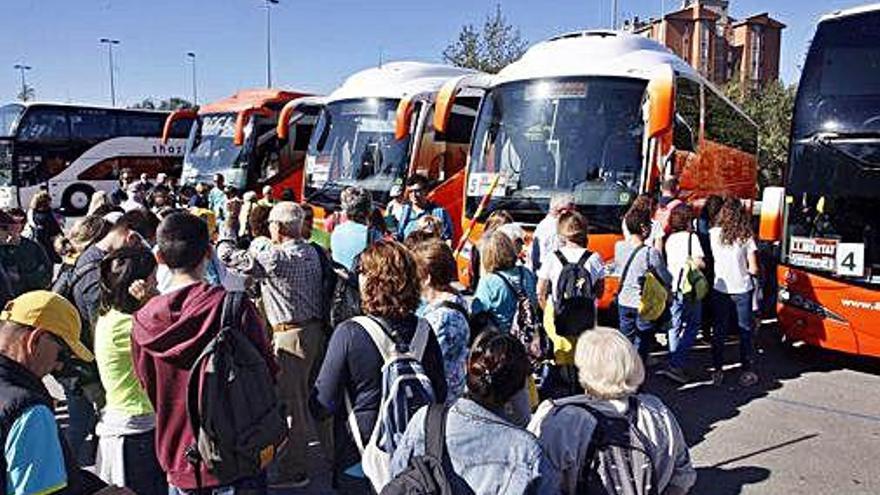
(609, 367)
(41, 201)
(99, 198)
(497, 253)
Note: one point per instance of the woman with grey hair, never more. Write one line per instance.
(611, 372)
(352, 237)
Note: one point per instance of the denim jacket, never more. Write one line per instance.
(490, 454)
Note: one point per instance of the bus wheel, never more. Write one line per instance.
(75, 200)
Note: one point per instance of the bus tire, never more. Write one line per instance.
(75, 200)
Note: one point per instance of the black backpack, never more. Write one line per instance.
(69, 276)
(431, 473)
(328, 281)
(574, 302)
(345, 302)
(527, 326)
(618, 459)
(231, 375)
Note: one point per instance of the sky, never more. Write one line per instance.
(315, 44)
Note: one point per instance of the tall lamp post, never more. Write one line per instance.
(192, 57)
(22, 68)
(110, 42)
(269, 4)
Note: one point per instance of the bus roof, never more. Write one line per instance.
(596, 52)
(29, 104)
(251, 98)
(837, 14)
(396, 80)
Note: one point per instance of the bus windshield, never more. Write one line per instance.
(840, 86)
(833, 177)
(9, 115)
(211, 148)
(354, 144)
(581, 135)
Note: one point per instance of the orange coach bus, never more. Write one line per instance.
(238, 137)
(377, 129)
(604, 116)
(825, 219)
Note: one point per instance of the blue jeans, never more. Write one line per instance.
(142, 471)
(637, 330)
(82, 419)
(729, 308)
(686, 320)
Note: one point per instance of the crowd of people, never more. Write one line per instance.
(365, 339)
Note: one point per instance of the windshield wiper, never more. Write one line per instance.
(828, 140)
(321, 190)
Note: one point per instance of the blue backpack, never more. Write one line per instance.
(405, 389)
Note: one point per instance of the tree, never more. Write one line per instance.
(172, 103)
(27, 93)
(771, 107)
(489, 49)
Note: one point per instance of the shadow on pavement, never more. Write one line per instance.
(700, 405)
(720, 481)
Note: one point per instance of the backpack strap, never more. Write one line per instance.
(560, 257)
(435, 431)
(454, 306)
(383, 342)
(629, 261)
(386, 345)
(518, 292)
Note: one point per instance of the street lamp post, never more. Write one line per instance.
(110, 42)
(269, 4)
(192, 57)
(22, 68)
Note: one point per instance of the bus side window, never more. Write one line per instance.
(45, 124)
(140, 125)
(180, 128)
(90, 125)
(686, 131)
(726, 126)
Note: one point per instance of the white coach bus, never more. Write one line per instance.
(74, 150)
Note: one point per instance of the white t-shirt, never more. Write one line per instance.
(546, 237)
(677, 253)
(731, 263)
(552, 267)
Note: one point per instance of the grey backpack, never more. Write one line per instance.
(233, 410)
(618, 460)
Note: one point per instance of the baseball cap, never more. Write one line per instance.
(50, 312)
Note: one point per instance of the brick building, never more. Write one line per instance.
(720, 47)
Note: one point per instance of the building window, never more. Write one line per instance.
(757, 48)
(705, 32)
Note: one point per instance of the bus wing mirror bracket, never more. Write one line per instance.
(403, 117)
(661, 101)
(241, 121)
(772, 207)
(186, 113)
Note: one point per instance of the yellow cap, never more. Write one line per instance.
(50, 312)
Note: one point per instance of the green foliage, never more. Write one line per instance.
(490, 49)
(172, 103)
(771, 107)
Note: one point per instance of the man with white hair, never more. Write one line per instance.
(291, 282)
(611, 372)
(545, 240)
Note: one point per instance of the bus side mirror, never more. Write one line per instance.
(242, 119)
(403, 118)
(772, 205)
(661, 101)
(187, 113)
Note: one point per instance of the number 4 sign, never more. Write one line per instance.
(850, 259)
